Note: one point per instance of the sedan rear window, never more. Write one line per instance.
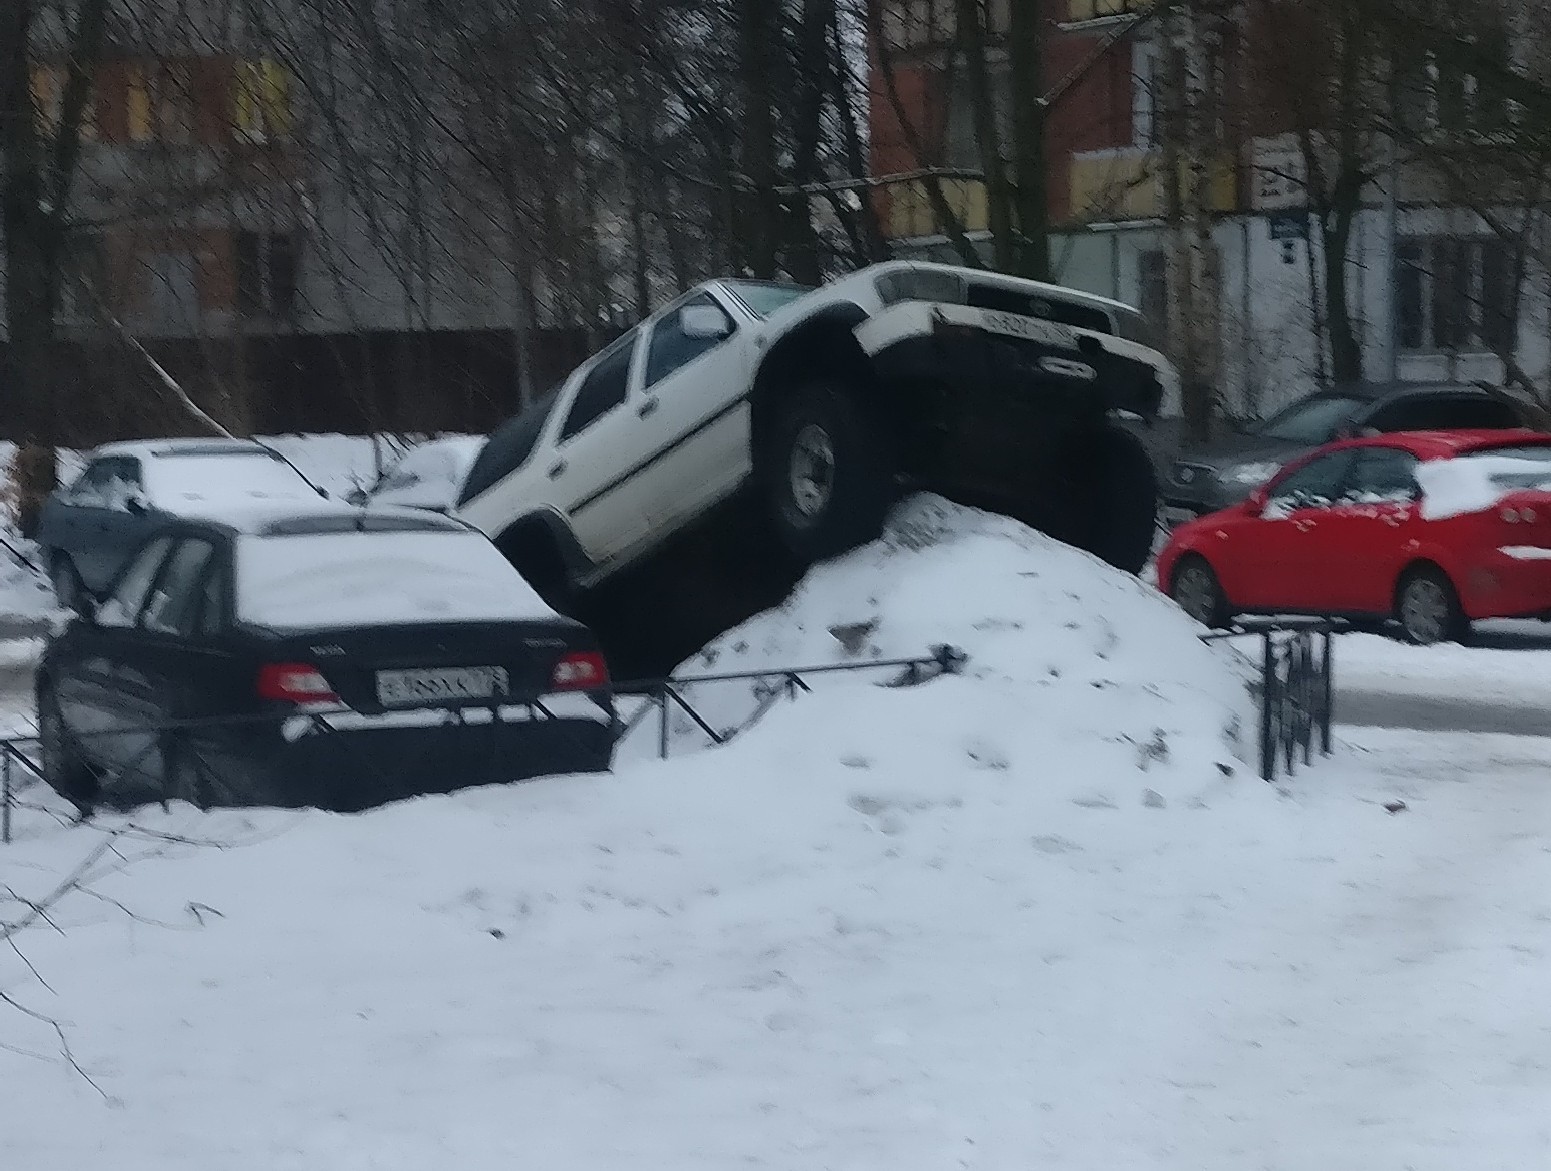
(240, 477)
(336, 580)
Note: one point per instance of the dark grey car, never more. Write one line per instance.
(1225, 473)
(89, 529)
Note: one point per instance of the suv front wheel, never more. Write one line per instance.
(827, 473)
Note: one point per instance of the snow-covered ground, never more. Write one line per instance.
(1034, 915)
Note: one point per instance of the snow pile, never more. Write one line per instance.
(915, 928)
(1474, 483)
(1081, 671)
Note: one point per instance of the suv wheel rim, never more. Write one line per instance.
(1424, 611)
(811, 474)
(1195, 594)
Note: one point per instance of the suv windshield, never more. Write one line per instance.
(763, 298)
(508, 447)
(1313, 420)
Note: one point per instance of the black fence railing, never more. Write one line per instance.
(665, 696)
(20, 755)
(1295, 692)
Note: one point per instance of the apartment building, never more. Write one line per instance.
(1431, 283)
(275, 246)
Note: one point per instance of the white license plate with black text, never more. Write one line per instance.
(1032, 328)
(434, 685)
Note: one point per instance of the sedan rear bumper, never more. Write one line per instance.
(360, 768)
(1512, 582)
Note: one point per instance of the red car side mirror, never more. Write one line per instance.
(1256, 504)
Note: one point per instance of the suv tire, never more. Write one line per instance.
(827, 471)
(66, 772)
(1117, 509)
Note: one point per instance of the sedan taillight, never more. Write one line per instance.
(580, 671)
(294, 683)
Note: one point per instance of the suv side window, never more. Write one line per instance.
(1444, 412)
(1382, 475)
(173, 605)
(1315, 485)
(90, 487)
(129, 595)
(671, 349)
(603, 389)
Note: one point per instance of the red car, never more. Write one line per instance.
(1432, 529)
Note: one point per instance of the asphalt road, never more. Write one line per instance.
(1377, 709)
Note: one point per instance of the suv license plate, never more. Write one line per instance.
(441, 685)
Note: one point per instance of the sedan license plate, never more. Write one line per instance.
(439, 685)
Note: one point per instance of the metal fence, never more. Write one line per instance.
(664, 696)
(19, 755)
(1295, 691)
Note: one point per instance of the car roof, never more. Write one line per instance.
(1429, 445)
(1376, 391)
(294, 518)
(165, 448)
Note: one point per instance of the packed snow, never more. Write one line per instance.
(1036, 914)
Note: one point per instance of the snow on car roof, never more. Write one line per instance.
(385, 567)
(164, 448)
(318, 517)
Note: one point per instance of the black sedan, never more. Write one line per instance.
(1224, 474)
(320, 656)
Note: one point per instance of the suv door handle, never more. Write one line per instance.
(558, 470)
(647, 408)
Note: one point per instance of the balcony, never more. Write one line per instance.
(908, 212)
(1111, 186)
(1084, 11)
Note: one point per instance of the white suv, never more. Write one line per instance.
(827, 403)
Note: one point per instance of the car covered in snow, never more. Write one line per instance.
(1431, 529)
(428, 475)
(89, 528)
(326, 656)
(823, 405)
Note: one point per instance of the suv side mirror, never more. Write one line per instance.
(704, 323)
(136, 504)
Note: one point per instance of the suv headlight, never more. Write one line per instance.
(920, 285)
(1253, 474)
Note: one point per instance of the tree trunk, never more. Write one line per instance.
(1026, 59)
(758, 40)
(988, 135)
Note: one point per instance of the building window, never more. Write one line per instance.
(1153, 288)
(1453, 294)
(159, 103)
(83, 279)
(48, 98)
(268, 264)
(1434, 93)
(261, 102)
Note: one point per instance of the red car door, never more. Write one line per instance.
(1362, 537)
(1276, 561)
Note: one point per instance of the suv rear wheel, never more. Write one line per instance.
(827, 471)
